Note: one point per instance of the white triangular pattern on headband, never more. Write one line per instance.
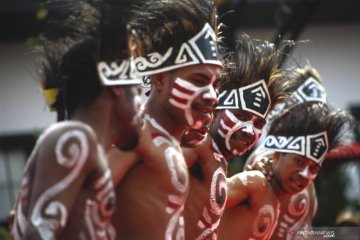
(253, 98)
(118, 74)
(200, 49)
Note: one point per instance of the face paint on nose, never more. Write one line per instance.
(229, 124)
(307, 174)
(183, 94)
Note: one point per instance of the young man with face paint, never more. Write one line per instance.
(297, 210)
(300, 139)
(246, 95)
(67, 191)
(180, 56)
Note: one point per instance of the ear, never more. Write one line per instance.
(276, 156)
(116, 90)
(158, 80)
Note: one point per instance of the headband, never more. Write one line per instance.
(122, 74)
(313, 146)
(253, 98)
(310, 91)
(201, 49)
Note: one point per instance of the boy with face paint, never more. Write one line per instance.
(66, 191)
(180, 56)
(300, 140)
(246, 95)
(297, 210)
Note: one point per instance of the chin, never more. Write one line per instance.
(129, 145)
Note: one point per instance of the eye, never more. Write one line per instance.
(299, 161)
(197, 82)
(216, 85)
(242, 116)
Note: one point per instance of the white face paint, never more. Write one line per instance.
(307, 174)
(183, 94)
(229, 124)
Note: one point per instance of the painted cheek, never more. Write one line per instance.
(183, 94)
(307, 174)
(210, 93)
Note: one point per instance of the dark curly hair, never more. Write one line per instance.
(312, 118)
(78, 35)
(157, 25)
(253, 60)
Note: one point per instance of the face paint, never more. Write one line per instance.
(307, 174)
(229, 124)
(183, 94)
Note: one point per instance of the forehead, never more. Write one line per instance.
(207, 71)
(246, 113)
(290, 156)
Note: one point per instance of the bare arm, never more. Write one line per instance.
(120, 162)
(61, 167)
(243, 186)
(190, 155)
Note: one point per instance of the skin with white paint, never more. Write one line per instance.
(208, 190)
(62, 204)
(251, 210)
(158, 184)
(296, 209)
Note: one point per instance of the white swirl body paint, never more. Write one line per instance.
(56, 212)
(176, 203)
(298, 208)
(266, 221)
(218, 190)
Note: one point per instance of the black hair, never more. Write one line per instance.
(80, 34)
(312, 118)
(253, 60)
(158, 25)
(296, 76)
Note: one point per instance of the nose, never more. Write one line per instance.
(210, 95)
(249, 128)
(305, 173)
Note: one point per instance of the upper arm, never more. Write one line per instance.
(190, 156)
(120, 162)
(61, 166)
(243, 185)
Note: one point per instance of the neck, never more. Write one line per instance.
(98, 118)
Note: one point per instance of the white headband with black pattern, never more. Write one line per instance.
(201, 49)
(254, 98)
(118, 74)
(310, 91)
(313, 146)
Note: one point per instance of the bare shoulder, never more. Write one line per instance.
(67, 142)
(253, 179)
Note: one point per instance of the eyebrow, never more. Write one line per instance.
(205, 76)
